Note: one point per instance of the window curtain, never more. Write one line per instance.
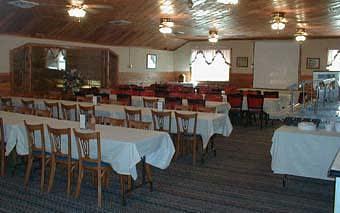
(333, 61)
(210, 65)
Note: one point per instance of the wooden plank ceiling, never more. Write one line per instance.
(248, 19)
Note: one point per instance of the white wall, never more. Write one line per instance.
(137, 54)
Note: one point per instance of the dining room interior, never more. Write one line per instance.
(169, 106)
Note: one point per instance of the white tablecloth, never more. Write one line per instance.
(208, 124)
(121, 147)
(304, 153)
(221, 107)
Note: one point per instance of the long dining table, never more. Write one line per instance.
(137, 101)
(123, 148)
(208, 124)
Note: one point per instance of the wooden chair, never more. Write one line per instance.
(53, 107)
(25, 110)
(255, 107)
(183, 107)
(35, 132)
(236, 102)
(186, 132)
(124, 99)
(28, 103)
(171, 102)
(67, 111)
(2, 149)
(139, 124)
(87, 110)
(132, 114)
(43, 113)
(6, 101)
(84, 99)
(61, 153)
(159, 119)
(113, 121)
(88, 163)
(195, 103)
(269, 94)
(150, 102)
(206, 109)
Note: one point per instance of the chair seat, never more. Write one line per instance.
(39, 152)
(93, 164)
(64, 158)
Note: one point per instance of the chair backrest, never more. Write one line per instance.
(113, 121)
(172, 101)
(2, 148)
(150, 102)
(212, 97)
(255, 102)
(6, 101)
(87, 110)
(183, 122)
(160, 118)
(60, 140)
(195, 103)
(35, 133)
(28, 103)
(301, 95)
(268, 94)
(139, 124)
(8, 108)
(235, 101)
(124, 99)
(84, 141)
(84, 99)
(52, 107)
(206, 109)
(132, 115)
(67, 111)
(25, 110)
(43, 113)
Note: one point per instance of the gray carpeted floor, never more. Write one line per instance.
(239, 179)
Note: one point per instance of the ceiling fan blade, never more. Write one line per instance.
(92, 10)
(98, 6)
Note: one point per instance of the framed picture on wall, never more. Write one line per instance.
(241, 61)
(313, 63)
(151, 61)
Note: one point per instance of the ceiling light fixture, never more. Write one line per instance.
(230, 2)
(278, 21)
(166, 25)
(213, 36)
(77, 11)
(300, 35)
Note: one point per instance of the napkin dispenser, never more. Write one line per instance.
(160, 106)
(94, 100)
(82, 121)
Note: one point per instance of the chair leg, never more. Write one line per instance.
(28, 170)
(177, 147)
(194, 152)
(149, 175)
(80, 178)
(2, 162)
(52, 174)
(69, 177)
(43, 166)
(99, 188)
(122, 189)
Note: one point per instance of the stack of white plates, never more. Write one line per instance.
(308, 126)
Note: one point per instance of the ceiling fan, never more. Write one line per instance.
(78, 8)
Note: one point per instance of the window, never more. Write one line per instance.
(56, 59)
(333, 61)
(210, 65)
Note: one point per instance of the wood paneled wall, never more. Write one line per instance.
(151, 77)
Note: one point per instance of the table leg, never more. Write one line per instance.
(337, 195)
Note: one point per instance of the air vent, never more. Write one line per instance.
(120, 22)
(23, 4)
